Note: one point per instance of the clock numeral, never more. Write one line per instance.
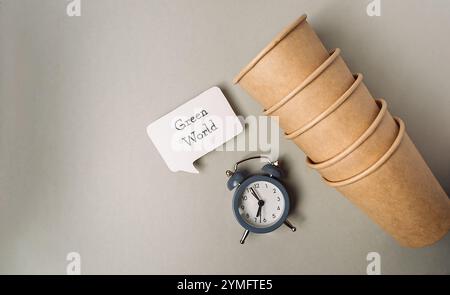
(278, 208)
(265, 220)
(278, 199)
(274, 216)
(242, 207)
(266, 185)
(244, 197)
(274, 190)
(247, 215)
(256, 185)
(256, 219)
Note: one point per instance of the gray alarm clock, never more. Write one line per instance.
(260, 202)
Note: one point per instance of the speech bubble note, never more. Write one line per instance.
(194, 129)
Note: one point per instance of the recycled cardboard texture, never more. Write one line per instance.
(364, 152)
(346, 121)
(284, 64)
(401, 194)
(314, 95)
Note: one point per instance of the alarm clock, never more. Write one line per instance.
(260, 201)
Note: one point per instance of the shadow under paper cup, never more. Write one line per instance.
(339, 126)
(400, 193)
(364, 152)
(312, 97)
(284, 64)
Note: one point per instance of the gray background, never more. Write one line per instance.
(78, 173)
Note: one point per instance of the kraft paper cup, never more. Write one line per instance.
(400, 193)
(338, 126)
(364, 152)
(320, 90)
(284, 64)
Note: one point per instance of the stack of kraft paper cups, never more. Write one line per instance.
(350, 138)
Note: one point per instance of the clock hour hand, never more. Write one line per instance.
(259, 211)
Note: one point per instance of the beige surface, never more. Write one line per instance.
(304, 98)
(278, 69)
(411, 206)
(364, 152)
(77, 172)
(339, 126)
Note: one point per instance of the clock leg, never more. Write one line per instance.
(288, 224)
(244, 236)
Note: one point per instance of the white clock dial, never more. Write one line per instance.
(268, 200)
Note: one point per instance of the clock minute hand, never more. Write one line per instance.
(260, 203)
(254, 194)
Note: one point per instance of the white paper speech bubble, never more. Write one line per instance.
(194, 129)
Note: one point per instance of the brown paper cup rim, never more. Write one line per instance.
(379, 163)
(269, 47)
(313, 76)
(374, 126)
(327, 112)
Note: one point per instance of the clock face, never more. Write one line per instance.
(261, 204)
